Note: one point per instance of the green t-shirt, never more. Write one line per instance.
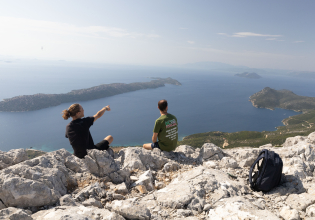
(166, 127)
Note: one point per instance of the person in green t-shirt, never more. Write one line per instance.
(165, 129)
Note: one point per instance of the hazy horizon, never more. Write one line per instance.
(268, 34)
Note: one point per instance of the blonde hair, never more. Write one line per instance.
(71, 111)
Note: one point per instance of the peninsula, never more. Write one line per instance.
(248, 75)
(271, 99)
(39, 101)
(298, 125)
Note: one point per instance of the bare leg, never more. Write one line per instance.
(147, 146)
(109, 138)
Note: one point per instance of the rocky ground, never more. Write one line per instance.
(202, 183)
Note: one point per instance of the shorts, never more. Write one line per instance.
(103, 145)
(155, 145)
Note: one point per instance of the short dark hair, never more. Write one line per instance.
(162, 104)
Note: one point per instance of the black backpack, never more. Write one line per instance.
(269, 171)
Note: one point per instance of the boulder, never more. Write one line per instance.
(145, 179)
(12, 213)
(310, 211)
(210, 151)
(291, 141)
(92, 202)
(37, 182)
(130, 209)
(185, 149)
(136, 158)
(12, 157)
(289, 214)
(76, 213)
(311, 138)
(239, 208)
(228, 162)
(300, 201)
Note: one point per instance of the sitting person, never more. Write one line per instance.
(78, 131)
(165, 129)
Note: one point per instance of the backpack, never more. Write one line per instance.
(269, 171)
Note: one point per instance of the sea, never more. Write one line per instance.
(206, 101)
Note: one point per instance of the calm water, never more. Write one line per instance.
(206, 101)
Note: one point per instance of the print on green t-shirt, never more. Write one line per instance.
(166, 127)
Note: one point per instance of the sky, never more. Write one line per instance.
(259, 34)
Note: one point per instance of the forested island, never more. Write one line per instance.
(302, 124)
(248, 75)
(39, 101)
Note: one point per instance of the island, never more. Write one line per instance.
(271, 99)
(248, 75)
(39, 101)
(297, 125)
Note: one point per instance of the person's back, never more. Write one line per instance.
(78, 131)
(79, 135)
(165, 129)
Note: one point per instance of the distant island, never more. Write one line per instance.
(39, 101)
(301, 124)
(271, 99)
(248, 75)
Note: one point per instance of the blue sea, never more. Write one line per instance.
(206, 101)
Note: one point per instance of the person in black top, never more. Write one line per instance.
(78, 130)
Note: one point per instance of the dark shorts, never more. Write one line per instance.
(155, 145)
(103, 145)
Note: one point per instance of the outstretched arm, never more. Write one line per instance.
(101, 112)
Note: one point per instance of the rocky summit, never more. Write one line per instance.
(202, 183)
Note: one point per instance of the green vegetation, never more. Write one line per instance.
(271, 99)
(34, 153)
(302, 124)
(296, 125)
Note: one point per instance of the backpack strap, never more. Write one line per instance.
(252, 179)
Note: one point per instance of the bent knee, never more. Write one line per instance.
(109, 138)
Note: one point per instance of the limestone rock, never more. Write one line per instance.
(146, 179)
(289, 214)
(91, 191)
(76, 213)
(289, 142)
(12, 157)
(37, 182)
(210, 151)
(185, 149)
(121, 189)
(92, 202)
(130, 209)
(239, 208)
(104, 163)
(139, 158)
(300, 201)
(67, 200)
(311, 138)
(227, 162)
(310, 211)
(15, 214)
(171, 166)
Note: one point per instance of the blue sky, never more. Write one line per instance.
(262, 34)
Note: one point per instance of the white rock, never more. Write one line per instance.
(146, 179)
(228, 162)
(76, 213)
(289, 214)
(310, 211)
(12, 213)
